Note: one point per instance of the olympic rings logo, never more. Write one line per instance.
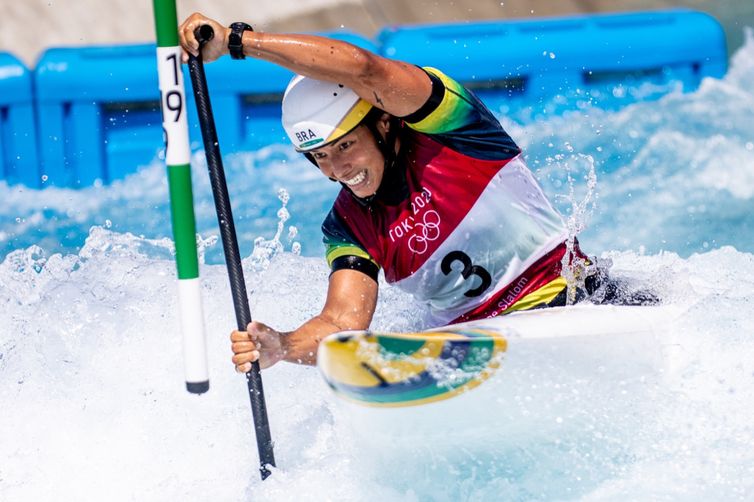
(430, 231)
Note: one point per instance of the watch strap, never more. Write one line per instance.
(235, 39)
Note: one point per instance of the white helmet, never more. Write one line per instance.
(316, 112)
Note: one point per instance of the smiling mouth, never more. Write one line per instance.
(356, 179)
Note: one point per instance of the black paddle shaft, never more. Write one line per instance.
(230, 244)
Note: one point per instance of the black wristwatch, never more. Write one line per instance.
(235, 39)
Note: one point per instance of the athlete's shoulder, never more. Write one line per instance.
(334, 226)
(455, 117)
(446, 109)
(342, 248)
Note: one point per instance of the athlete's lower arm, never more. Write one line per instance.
(300, 346)
(350, 305)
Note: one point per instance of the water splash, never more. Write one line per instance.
(91, 389)
(265, 250)
(576, 269)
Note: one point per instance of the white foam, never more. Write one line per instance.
(91, 387)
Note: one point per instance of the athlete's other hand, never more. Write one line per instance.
(215, 48)
(258, 343)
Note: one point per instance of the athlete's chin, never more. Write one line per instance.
(363, 194)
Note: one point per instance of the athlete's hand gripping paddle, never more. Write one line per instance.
(203, 35)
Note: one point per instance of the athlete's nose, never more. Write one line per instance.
(340, 168)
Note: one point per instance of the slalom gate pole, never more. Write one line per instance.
(177, 157)
(230, 244)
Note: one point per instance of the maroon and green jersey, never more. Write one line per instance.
(459, 221)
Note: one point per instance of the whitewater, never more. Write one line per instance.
(91, 381)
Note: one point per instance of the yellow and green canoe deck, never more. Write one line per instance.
(405, 369)
(390, 370)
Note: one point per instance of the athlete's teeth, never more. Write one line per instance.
(356, 179)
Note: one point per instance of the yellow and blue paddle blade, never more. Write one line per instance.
(407, 369)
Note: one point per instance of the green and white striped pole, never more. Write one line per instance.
(177, 157)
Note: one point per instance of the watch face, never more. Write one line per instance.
(240, 27)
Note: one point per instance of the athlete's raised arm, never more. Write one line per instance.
(396, 87)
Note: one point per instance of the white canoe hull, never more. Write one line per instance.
(564, 369)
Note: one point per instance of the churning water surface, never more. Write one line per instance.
(91, 385)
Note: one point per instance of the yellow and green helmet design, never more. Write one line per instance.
(316, 112)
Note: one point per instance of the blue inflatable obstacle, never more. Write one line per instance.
(540, 58)
(99, 113)
(98, 116)
(18, 145)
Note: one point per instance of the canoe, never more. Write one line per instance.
(525, 375)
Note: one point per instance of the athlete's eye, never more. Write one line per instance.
(319, 155)
(345, 146)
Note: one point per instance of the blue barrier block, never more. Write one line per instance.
(18, 144)
(536, 58)
(98, 112)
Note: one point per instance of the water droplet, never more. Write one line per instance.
(283, 196)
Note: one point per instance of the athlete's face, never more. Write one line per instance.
(354, 160)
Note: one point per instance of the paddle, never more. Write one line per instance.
(230, 243)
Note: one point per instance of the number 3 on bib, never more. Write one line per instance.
(468, 270)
